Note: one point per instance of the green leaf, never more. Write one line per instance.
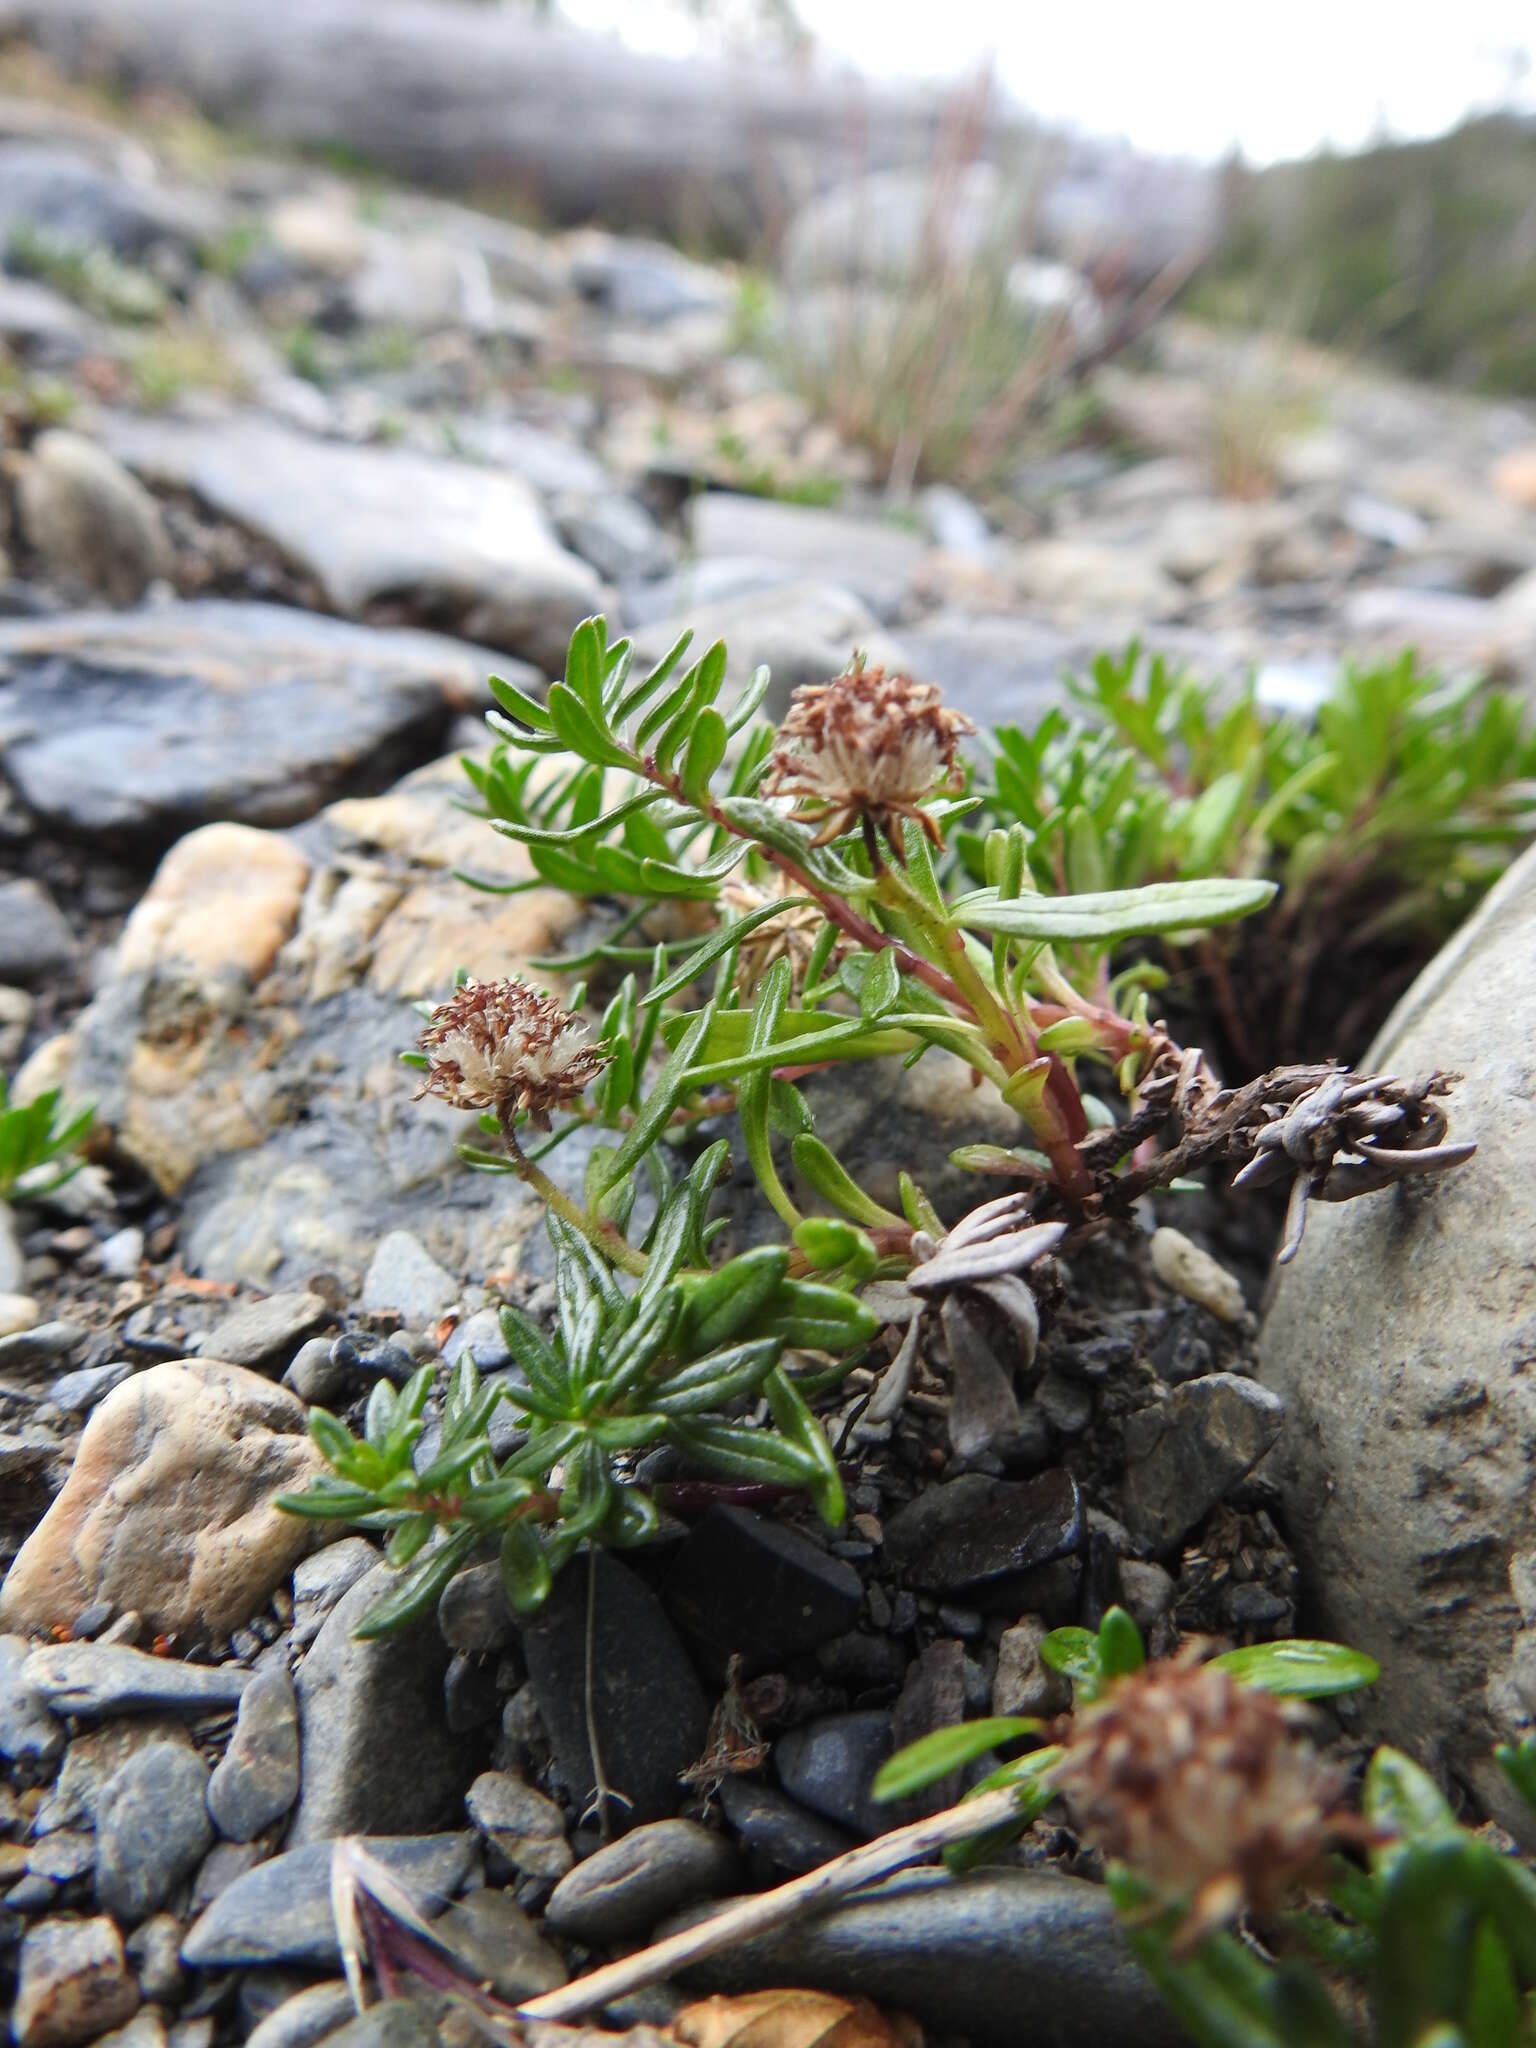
(704, 753)
(581, 732)
(713, 1381)
(719, 943)
(746, 704)
(1075, 1654)
(525, 1572)
(1401, 1799)
(729, 1299)
(752, 1092)
(584, 666)
(1431, 1909)
(833, 1245)
(924, 1762)
(419, 1587)
(1113, 915)
(334, 1438)
(1305, 1670)
(882, 987)
(812, 1317)
(801, 1429)
(1120, 1645)
(523, 708)
(819, 1166)
(738, 1451)
(668, 1090)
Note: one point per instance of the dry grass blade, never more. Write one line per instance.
(769, 1910)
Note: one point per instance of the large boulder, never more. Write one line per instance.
(1402, 1340)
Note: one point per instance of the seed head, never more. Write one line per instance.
(864, 750)
(1209, 1791)
(504, 1046)
(790, 936)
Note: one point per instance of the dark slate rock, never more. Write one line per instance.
(743, 1584)
(44, 1345)
(266, 1334)
(280, 1912)
(206, 710)
(650, 1710)
(93, 1679)
(789, 1836)
(1186, 1453)
(152, 1829)
(376, 1752)
(622, 1890)
(829, 1765)
(1000, 1957)
(1019, 1529)
(258, 1778)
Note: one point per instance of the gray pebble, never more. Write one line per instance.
(305, 2018)
(94, 1679)
(280, 1911)
(154, 1949)
(828, 1765)
(258, 1779)
(152, 1829)
(264, 1334)
(626, 1887)
(527, 1827)
(1185, 1453)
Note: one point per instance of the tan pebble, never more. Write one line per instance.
(170, 1506)
(225, 896)
(1196, 1275)
(17, 1312)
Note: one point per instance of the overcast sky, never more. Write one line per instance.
(1196, 76)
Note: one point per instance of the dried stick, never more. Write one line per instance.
(768, 1910)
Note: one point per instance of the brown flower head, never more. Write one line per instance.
(1208, 1790)
(865, 750)
(504, 1046)
(791, 936)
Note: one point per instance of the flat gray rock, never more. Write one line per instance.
(152, 1829)
(1001, 1957)
(265, 1334)
(29, 1734)
(257, 1779)
(875, 560)
(70, 194)
(143, 725)
(375, 525)
(1184, 1454)
(376, 1752)
(280, 1912)
(93, 1679)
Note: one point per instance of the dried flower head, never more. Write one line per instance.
(504, 1046)
(1208, 1790)
(791, 936)
(865, 750)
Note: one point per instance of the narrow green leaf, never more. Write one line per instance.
(718, 943)
(1120, 1645)
(801, 1429)
(729, 1299)
(820, 1167)
(666, 1093)
(1115, 914)
(420, 1586)
(1306, 1670)
(924, 1762)
(525, 1572)
(705, 751)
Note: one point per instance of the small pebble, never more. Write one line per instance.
(18, 1312)
(1189, 1271)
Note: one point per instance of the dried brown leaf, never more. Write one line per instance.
(792, 2019)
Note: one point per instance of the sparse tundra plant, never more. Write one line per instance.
(827, 916)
